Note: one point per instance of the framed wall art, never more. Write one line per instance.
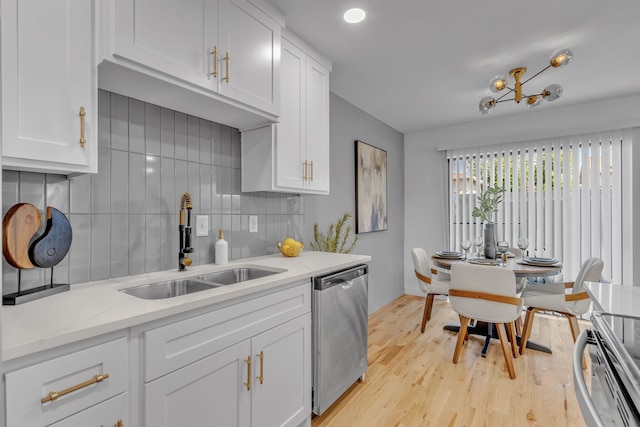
(371, 188)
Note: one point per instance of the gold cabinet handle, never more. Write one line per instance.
(261, 376)
(119, 423)
(56, 394)
(214, 52)
(248, 383)
(304, 176)
(311, 167)
(226, 64)
(83, 140)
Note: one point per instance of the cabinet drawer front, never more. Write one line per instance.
(173, 346)
(27, 386)
(105, 414)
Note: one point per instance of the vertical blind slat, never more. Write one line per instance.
(607, 228)
(557, 197)
(584, 199)
(616, 216)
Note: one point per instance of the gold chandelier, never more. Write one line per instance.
(559, 58)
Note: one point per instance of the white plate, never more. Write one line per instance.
(540, 260)
(448, 256)
(541, 264)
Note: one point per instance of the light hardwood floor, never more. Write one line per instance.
(411, 380)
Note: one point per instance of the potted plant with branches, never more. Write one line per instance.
(337, 239)
(486, 209)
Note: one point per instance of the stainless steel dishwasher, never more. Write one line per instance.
(340, 304)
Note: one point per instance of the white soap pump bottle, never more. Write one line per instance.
(221, 249)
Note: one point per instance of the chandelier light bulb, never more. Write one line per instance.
(498, 83)
(533, 101)
(487, 104)
(561, 58)
(552, 92)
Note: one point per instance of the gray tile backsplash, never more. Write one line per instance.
(125, 218)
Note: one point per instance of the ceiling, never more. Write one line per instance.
(419, 64)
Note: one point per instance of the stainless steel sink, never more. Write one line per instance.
(175, 288)
(236, 275)
(169, 288)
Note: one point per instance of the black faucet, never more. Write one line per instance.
(185, 233)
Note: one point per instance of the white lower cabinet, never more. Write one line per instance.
(68, 390)
(281, 388)
(263, 381)
(244, 363)
(247, 364)
(207, 392)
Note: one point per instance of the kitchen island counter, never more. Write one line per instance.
(92, 309)
(615, 299)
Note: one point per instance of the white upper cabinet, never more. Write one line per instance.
(249, 43)
(49, 86)
(293, 155)
(169, 36)
(317, 125)
(216, 59)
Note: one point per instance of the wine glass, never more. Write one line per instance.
(503, 247)
(523, 243)
(478, 241)
(465, 244)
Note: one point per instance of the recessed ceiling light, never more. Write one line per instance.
(355, 15)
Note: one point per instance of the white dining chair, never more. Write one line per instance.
(429, 281)
(487, 294)
(554, 297)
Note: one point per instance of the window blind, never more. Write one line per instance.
(564, 195)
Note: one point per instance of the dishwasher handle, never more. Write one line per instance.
(345, 279)
(344, 284)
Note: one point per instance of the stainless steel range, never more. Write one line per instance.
(614, 347)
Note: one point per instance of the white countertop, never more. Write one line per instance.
(615, 299)
(91, 309)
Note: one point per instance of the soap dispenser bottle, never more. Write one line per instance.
(221, 249)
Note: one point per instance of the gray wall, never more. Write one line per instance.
(125, 218)
(348, 123)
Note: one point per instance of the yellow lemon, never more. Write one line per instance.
(289, 242)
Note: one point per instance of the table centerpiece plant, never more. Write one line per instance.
(486, 209)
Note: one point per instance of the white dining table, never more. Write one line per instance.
(520, 270)
(514, 264)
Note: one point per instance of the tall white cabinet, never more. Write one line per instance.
(293, 154)
(49, 86)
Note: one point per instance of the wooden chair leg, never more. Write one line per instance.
(575, 331)
(519, 325)
(428, 305)
(464, 322)
(505, 350)
(512, 337)
(526, 333)
(466, 335)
